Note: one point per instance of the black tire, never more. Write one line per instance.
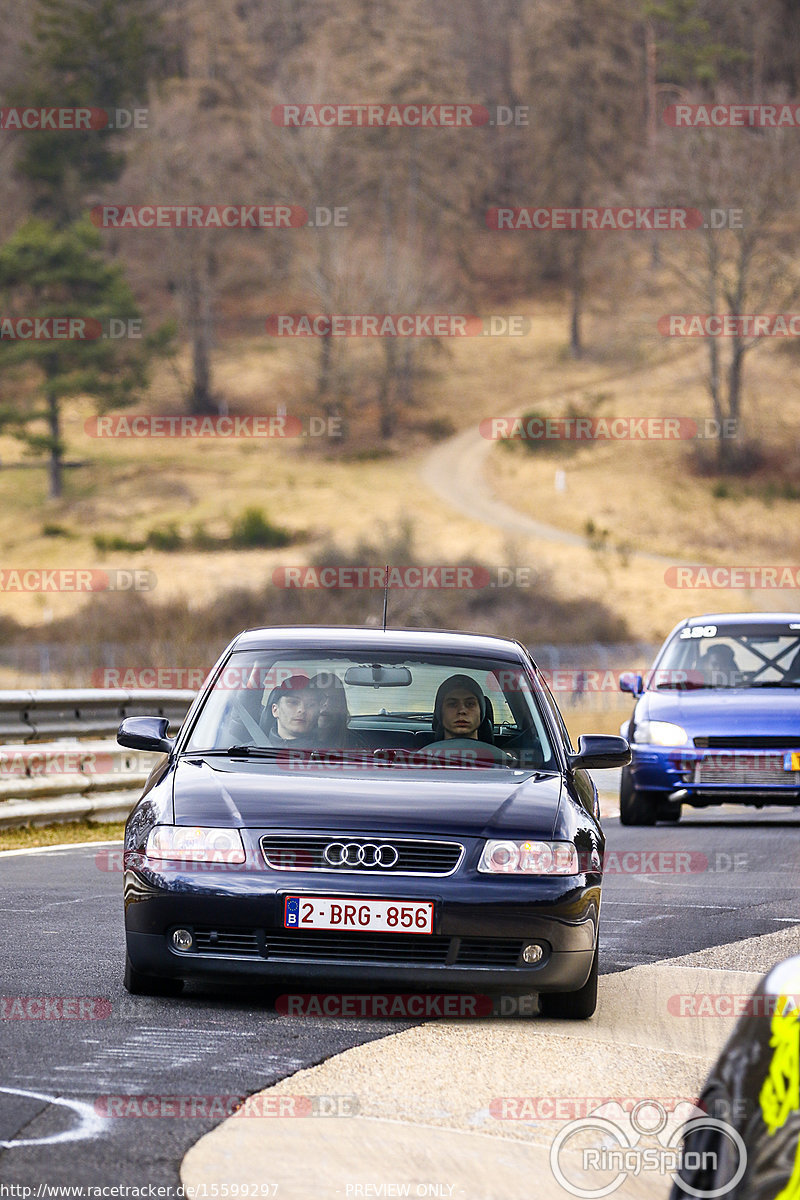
(573, 1006)
(635, 807)
(149, 985)
(670, 813)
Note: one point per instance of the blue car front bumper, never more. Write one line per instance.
(702, 777)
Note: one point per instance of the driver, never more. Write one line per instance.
(459, 709)
(460, 712)
(720, 665)
(293, 711)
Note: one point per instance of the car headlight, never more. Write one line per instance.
(660, 733)
(528, 858)
(182, 843)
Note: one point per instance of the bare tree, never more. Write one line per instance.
(743, 181)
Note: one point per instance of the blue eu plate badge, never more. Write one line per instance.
(292, 913)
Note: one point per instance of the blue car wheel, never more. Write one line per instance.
(635, 807)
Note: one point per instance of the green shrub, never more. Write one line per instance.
(105, 542)
(253, 530)
(167, 538)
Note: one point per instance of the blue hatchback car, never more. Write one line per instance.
(717, 718)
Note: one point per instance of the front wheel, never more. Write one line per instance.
(635, 807)
(573, 1006)
(139, 984)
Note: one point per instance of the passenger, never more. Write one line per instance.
(333, 727)
(292, 714)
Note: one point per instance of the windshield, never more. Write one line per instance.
(436, 710)
(730, 656)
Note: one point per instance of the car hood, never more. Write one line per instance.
(756, 711)
(445, 800)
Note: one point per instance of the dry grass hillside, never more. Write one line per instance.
(632, 499)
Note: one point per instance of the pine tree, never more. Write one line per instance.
(48, 274)
(84, 54)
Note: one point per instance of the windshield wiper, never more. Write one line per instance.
(234, 751)
(776, 683)
(681, 685)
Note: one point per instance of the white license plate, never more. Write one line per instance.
(355, 916)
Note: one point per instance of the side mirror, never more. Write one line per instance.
(145, 733)
(596, 751)
(631, 682)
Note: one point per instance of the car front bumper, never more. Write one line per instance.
(704, 777)
(481, 924)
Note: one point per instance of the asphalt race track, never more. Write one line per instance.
(720, 876)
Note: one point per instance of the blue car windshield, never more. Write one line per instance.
(445, 710)
(729, 656)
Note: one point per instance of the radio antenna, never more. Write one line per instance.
(385, 594)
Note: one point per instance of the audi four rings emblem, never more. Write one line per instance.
(360, 854)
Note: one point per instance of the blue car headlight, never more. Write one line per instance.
(660, 733)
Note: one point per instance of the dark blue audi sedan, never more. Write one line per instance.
(357, 806)
(717, 719)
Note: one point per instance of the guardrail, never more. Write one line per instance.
(44, 781)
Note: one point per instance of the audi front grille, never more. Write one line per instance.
(364, 855)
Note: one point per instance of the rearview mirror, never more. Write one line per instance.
(597, 751)
(145, 733)
(377, 676)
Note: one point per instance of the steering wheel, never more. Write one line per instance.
(468, 749)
